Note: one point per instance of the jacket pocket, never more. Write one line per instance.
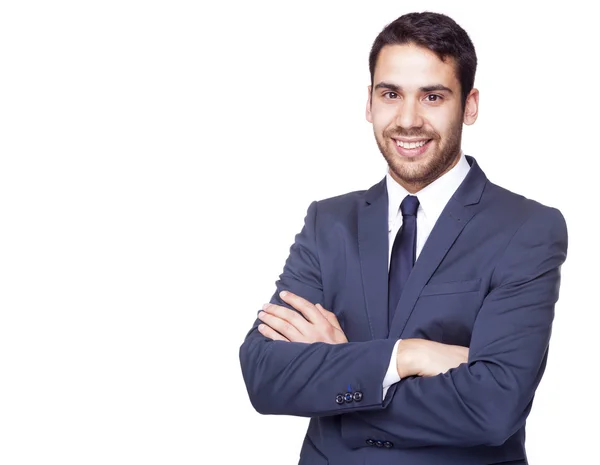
(453, 287)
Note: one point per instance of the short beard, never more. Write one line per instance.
(419, 174)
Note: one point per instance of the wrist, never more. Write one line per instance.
(406, 358)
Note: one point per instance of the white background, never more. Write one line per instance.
(157, 159)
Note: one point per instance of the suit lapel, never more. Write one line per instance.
(458, 212)
(373, 251)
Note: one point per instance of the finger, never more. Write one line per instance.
(329, 316)
(266, 331)
(303, 306)
(283, 327)
(292, 317)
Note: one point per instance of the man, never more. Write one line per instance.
(412, 320)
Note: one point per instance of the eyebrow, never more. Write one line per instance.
(395, 88)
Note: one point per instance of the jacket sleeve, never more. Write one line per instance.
(487, 400)
(307, 379)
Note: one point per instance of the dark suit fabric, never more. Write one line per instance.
(487, 278)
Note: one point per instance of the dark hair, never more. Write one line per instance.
(436, 32)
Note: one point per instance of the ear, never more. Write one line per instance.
(471, 107)
(369, 102)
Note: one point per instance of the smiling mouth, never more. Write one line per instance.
(412, 145)
(412, 149)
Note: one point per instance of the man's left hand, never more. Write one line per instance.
(312, 324)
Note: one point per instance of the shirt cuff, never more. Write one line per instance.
(391, 376)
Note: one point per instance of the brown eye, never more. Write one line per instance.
(433, 98)
(391, 95)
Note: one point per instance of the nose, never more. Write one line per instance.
(409, 115)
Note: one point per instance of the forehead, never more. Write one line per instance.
(411, 65)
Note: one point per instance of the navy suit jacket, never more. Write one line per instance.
(487, 278)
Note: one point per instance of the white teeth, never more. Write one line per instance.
(411, 145)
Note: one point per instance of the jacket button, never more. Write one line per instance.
(379, 443)
(388, 444)
(370, 442)
(358, 396)
(348, 397)
(339, 399)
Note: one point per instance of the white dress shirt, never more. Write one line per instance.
(432, 201)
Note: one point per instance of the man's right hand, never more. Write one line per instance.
(420, 357)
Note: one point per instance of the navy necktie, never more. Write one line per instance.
(403, 253)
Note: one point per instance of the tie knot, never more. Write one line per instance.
(409, 205)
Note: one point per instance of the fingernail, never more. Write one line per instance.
(264, 307)
(261, 328)
(282, 293)
(260, 314)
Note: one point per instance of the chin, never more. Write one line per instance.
(422, 162)
(414, 170)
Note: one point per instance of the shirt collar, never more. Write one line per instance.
(432, 198)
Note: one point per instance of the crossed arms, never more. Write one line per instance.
(312, 323)
(298, 368)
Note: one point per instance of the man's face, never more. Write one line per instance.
(417, 115)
